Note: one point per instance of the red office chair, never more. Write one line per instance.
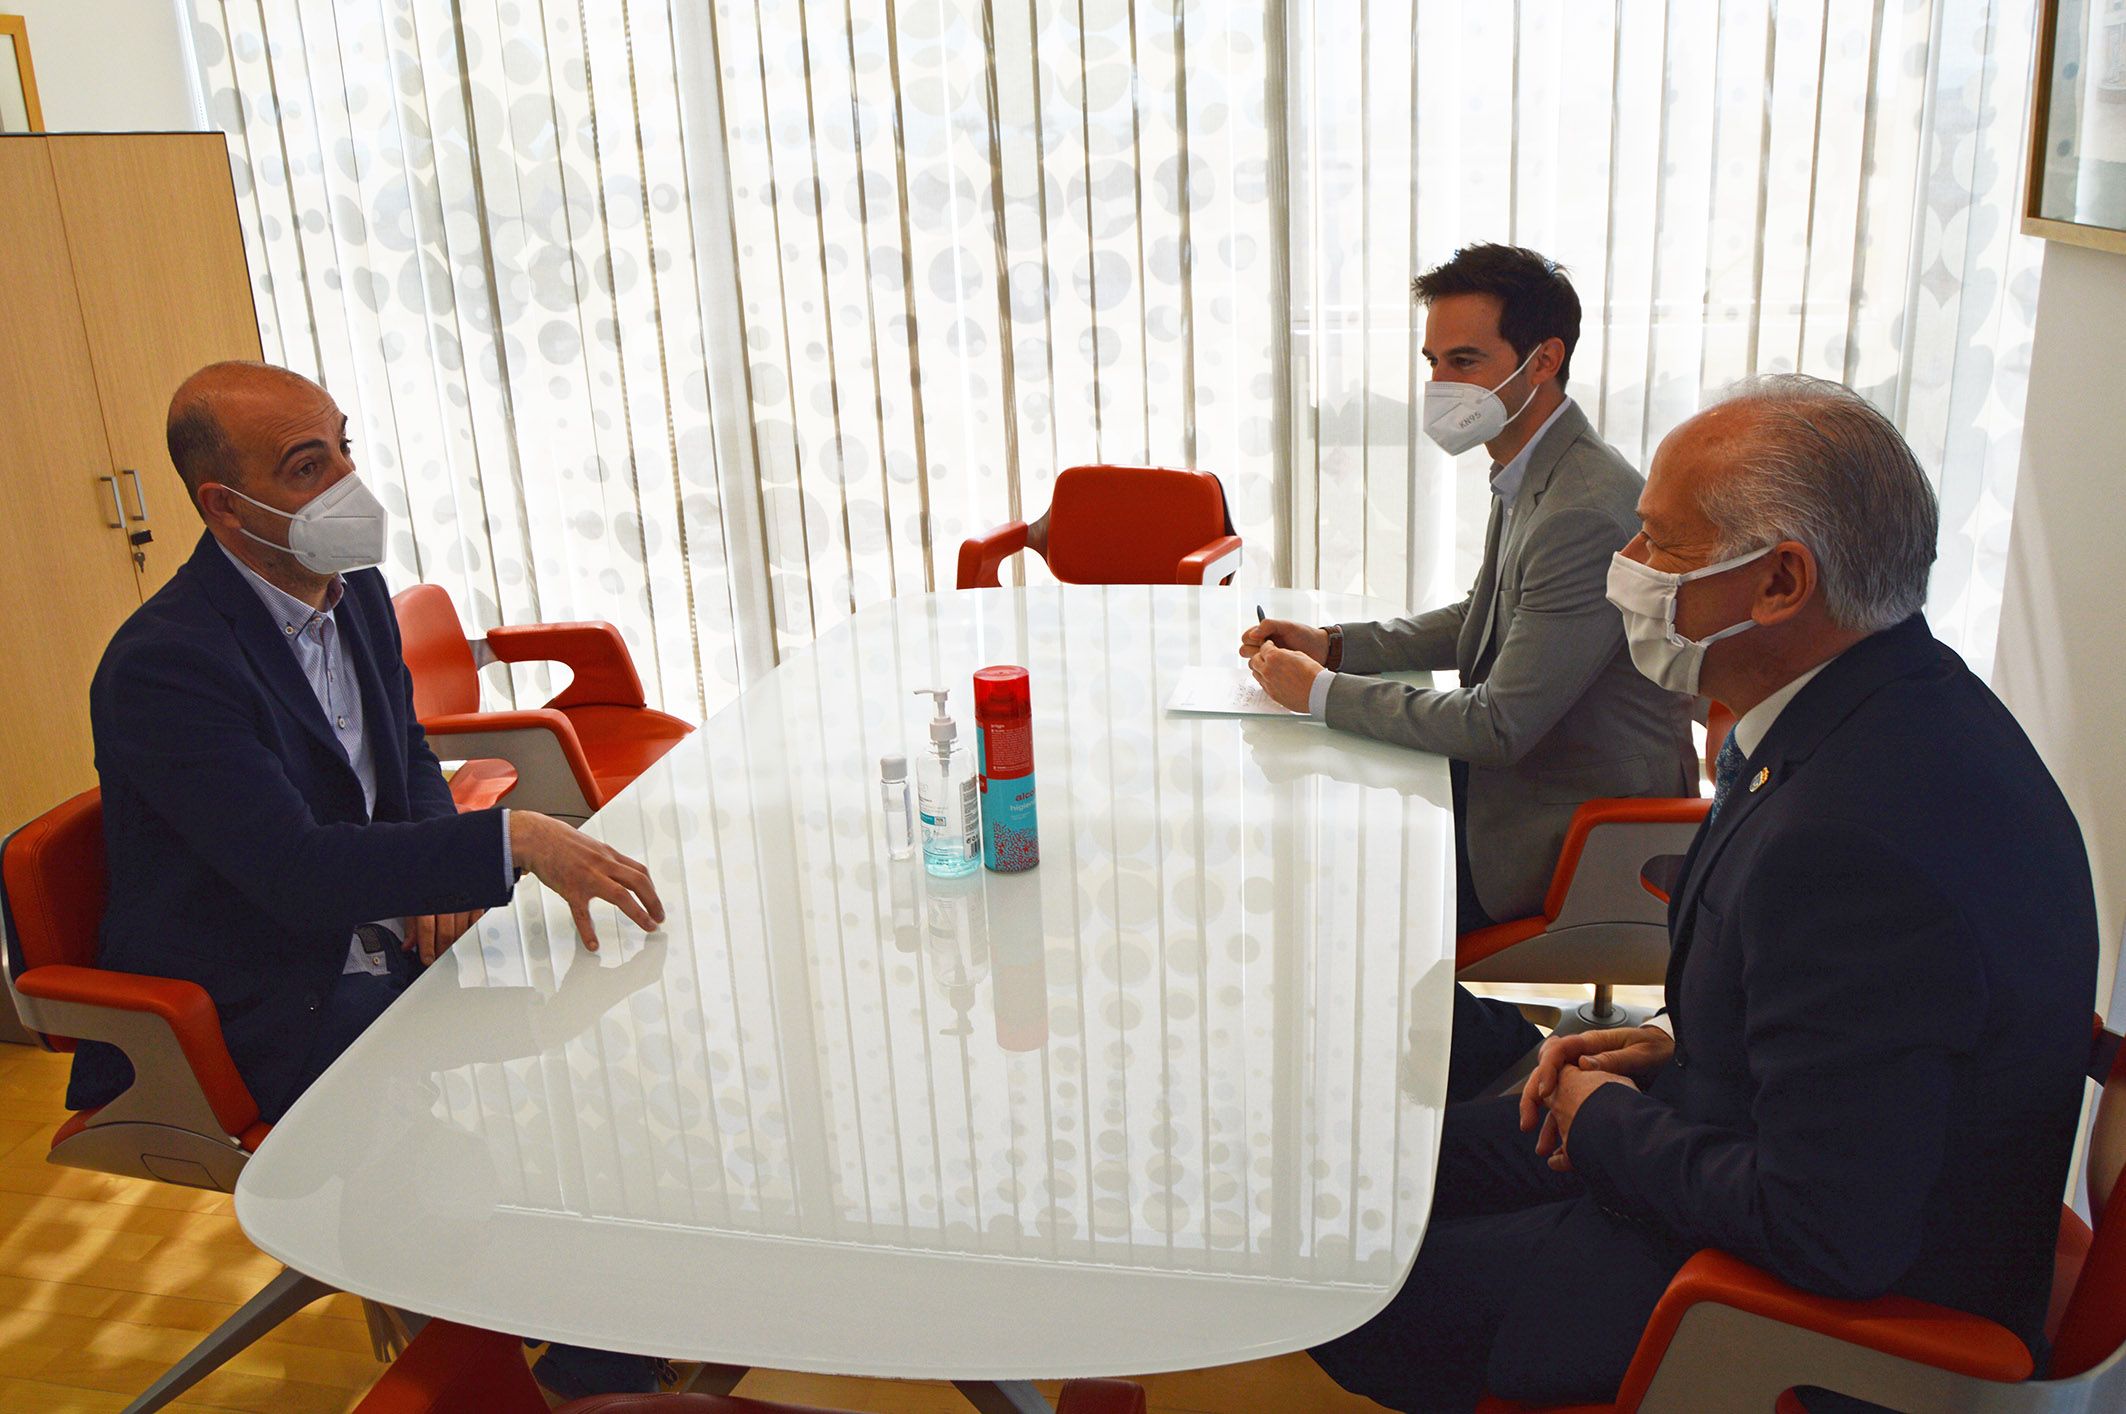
(565, 759)
(188, 1117)
(1118, 525)
(1726, 1336)
(1602, 921)
(1605, 917)
(1078, 1397)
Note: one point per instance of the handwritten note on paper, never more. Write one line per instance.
(1224, 692)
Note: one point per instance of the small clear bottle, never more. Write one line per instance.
(900, 816)
(946, 793)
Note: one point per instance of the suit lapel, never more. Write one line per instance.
(1486, 595)
(1813, 715)
(262, 642)
(380, 724)
(1500, 546)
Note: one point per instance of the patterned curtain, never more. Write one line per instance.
(720, 321)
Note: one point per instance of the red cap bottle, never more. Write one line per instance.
(1003, 718)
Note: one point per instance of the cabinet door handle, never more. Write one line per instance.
(140, 497)
(117, 506)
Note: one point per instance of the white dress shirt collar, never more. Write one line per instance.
(1506, 480)
(1751, 727)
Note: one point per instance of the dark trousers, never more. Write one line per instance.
(356, 1000)
(1489, 1036)
(1523, 1288)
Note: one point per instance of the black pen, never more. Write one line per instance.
(1259, 615)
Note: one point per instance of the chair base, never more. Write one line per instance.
(159, 1152)
(279, 1299)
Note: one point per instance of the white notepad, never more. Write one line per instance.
(1224, 692)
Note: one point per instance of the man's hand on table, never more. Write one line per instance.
(1283, 633)
(428, 935)
(580, 869)
(1570, 1068)
(1287, 676)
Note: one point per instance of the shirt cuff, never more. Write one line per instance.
(1660, 1022)
(1318, 695)
(509, 858)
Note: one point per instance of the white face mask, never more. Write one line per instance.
(339, 529)
(1647, 599)
(1460, 415)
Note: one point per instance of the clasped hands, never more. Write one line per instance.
(1570, 1068)
(1285, 658)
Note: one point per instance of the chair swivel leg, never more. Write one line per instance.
(279, 1299)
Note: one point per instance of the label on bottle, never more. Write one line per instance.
(1007, 747)
(970, 818)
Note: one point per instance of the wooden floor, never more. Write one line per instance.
(104, 1282)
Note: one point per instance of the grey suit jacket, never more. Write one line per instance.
(1551, 711)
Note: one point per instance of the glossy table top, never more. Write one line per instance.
(1170, 1099)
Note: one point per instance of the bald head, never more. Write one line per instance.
(216, 413)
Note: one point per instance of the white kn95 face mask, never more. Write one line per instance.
(339, 529)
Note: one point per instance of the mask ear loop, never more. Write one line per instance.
(1526, 402)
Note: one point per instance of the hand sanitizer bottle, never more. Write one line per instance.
(945, 794)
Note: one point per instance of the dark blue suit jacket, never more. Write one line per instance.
(1884, 960)
(241, 854)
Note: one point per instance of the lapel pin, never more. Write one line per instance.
(1764, 773)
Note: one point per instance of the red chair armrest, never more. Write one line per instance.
(184, 1006)
(604, 671)
(1195, 562)
(1898, 1326)
(1474, 946)
(1595, 814)
(507, 736)
(980, 555)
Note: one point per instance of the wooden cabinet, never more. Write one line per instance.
(123, 270)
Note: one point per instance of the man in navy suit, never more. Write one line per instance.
(277, 829)
(1869, 1072)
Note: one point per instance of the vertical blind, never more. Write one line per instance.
(720, 321)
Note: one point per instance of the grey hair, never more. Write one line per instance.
(1821, 465)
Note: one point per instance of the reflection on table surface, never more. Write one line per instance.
(1206, 1036)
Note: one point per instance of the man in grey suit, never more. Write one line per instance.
(1550, 711)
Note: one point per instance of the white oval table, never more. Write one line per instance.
(1171, 1099)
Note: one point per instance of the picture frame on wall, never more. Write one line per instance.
(19, 109)
(2075, 189)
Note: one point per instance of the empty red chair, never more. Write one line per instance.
(1728, 1336)
(1118, 525)
(188, 1118)
(565, 759)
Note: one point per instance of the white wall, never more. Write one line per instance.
(109, 65)
(2061, 663)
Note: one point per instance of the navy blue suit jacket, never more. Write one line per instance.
(1884, 956)
(241, 854)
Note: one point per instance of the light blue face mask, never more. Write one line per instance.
(1647, 599)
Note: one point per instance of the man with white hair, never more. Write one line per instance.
(1869, 1072)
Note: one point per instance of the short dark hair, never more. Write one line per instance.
(1536, 301)
(199, 447)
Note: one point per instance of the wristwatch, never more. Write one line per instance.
(1334, 658)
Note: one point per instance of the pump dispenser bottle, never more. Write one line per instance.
(946, 796)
